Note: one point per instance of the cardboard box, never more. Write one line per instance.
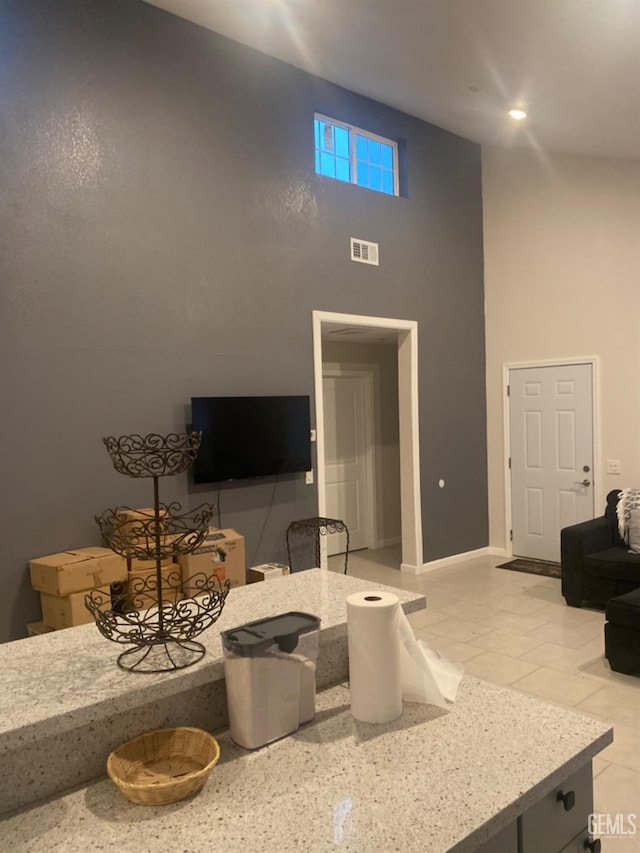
(221, 554)
(142, 585)
(65, 611)
(73, 571)
(137, 526)
(136, 565)
(34, 629)
(268, 571)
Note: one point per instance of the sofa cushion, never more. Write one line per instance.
(611, 514)
(625, 610)
(618, 563)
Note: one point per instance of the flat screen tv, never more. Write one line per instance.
(247, 437)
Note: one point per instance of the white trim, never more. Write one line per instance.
(594, 361)
(453, 560)
(411, 503)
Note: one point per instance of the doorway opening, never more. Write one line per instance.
(352, 354)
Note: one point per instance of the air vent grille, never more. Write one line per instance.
(364, 252)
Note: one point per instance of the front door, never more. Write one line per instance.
(551, 434)
(347, 400)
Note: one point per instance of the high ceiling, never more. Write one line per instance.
(574, 65)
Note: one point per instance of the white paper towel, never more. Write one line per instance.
(388, 664)
(374, 656)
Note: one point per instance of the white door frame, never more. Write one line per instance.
(410, 500)
(594, 361)
(371, 428)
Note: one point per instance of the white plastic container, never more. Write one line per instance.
(270, 673)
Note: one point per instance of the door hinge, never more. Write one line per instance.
(511, 535)
(509, 462)
(508, 390)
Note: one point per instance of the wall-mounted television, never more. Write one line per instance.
(247, 437)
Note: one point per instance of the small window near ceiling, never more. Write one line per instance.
(356, 156)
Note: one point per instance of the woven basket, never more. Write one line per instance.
(164, 765)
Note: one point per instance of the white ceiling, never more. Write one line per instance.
(573, 64)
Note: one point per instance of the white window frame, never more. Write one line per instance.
(354, 160)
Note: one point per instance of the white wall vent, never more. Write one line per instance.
(364, 252)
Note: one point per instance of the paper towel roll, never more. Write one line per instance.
(374, 656)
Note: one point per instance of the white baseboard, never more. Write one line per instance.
(453, 560)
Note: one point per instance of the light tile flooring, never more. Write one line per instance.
(515, 629)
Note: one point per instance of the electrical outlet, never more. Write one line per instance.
(613, 466)
(308, 478)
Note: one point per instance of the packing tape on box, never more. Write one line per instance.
(387, 664)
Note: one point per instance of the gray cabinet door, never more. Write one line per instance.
(552, 822)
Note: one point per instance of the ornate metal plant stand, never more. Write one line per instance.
(318, 527)
(147, 615)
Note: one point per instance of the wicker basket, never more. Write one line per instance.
(164, 765)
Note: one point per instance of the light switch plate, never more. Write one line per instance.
(613, 466)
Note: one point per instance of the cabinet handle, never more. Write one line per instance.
(568, 800)
(595, 846)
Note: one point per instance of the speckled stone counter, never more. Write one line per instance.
(430, 781)
(68, 704)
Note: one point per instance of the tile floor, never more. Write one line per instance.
(515, 629)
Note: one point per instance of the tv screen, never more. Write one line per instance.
(246, 437)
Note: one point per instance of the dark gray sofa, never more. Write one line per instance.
(596, 564)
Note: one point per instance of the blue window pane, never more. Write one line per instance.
(318, 162)
(363, 175)
(316, 130)
(343, 172)
(387, 182)
(361, 147)
(375, 178)
(327, 165)
(342, 141)
(387, 156)
(374, 152)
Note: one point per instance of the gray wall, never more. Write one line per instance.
(164, 235)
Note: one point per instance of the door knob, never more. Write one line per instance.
(583, 482)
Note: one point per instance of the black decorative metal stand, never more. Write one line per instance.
(160, 631)
(318, 526)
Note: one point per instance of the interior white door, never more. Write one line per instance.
(347, 437)
(551, 434)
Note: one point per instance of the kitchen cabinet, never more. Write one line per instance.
(556, 819)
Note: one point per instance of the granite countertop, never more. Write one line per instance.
(66, 678)
(431, 780)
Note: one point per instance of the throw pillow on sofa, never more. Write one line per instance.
(633, 529)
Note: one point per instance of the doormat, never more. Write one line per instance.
(533, 567)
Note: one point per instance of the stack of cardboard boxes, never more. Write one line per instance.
(63, 580)
(140, 590)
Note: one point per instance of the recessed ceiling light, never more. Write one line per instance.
(517, 114)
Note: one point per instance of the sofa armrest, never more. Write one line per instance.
(590, 536)
(576, 541)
